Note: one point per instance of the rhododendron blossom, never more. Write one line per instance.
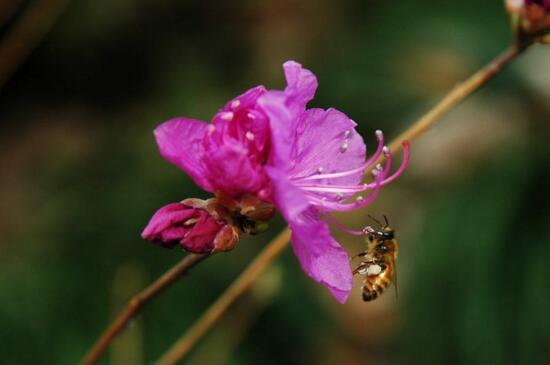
(531, 18)
(265, 147)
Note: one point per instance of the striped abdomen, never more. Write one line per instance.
(374, 285)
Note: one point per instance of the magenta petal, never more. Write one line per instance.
(302, 83)
(282, 121)
(231, 170)
(321, 257)
(180, 142)
(289, 199)
(327, 140)
(164, 218)
(247, 99)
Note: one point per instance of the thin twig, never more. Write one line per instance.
(457, 95)
(137, 302)
(218, 308)
(186, 342)
(25, 35)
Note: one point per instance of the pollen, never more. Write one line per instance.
(374, 270)
(228, 116)
(344, 147)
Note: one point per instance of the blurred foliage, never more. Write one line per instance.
(80, 176)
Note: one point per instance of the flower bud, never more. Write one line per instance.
(530, 18)
(195, 229)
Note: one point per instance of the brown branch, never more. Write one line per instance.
(137, 302)
(186, 342)
(457, 95)
(25, 35)
(220, 306)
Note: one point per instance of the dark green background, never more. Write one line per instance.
(81, 175)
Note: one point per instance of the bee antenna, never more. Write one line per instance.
(386, 220)
(376, 220)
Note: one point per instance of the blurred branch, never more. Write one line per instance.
(185, 343)
(220, 306)
(137, 302)
(457, 95)
(26, 33)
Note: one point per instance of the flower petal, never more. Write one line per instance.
(231, 170)
(289, 199)
(281, 123)
(301, 83)
(180, 142)
(247, 99)
(321, 257)
(326, 140)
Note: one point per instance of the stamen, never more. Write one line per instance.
(342, 227)
(235, 104)
(344, 146)
(380, 138)
(347, 207)
(404, 163)
(366, 165)
(228, 116)
(249, 135)
(327, 188)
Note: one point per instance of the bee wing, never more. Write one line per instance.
(394, 279)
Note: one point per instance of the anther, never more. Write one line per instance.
(320, 169)
(359, 198)
(249, 135)
(386, 150)
(227, 116)
(344, 147)
(251, 116)
(379, 133)
(235, 104)
(347, 134)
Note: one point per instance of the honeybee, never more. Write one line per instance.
(378, 261)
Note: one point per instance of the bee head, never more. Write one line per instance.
(383, 232)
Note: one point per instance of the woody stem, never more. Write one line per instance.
(231, 294)
(460, 92)
(135, 304)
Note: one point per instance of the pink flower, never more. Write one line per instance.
(544, 3)
(531, 18)
(307, 162)
(194, 229)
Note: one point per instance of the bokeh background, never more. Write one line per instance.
(80, 176)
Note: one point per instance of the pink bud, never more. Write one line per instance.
(177, 223)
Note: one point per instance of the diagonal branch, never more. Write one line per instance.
(220, 306)
(26, 34)
(135, 304)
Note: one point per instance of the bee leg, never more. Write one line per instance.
(359, 268)
(361, 254)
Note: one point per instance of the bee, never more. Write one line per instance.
(378, 261)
